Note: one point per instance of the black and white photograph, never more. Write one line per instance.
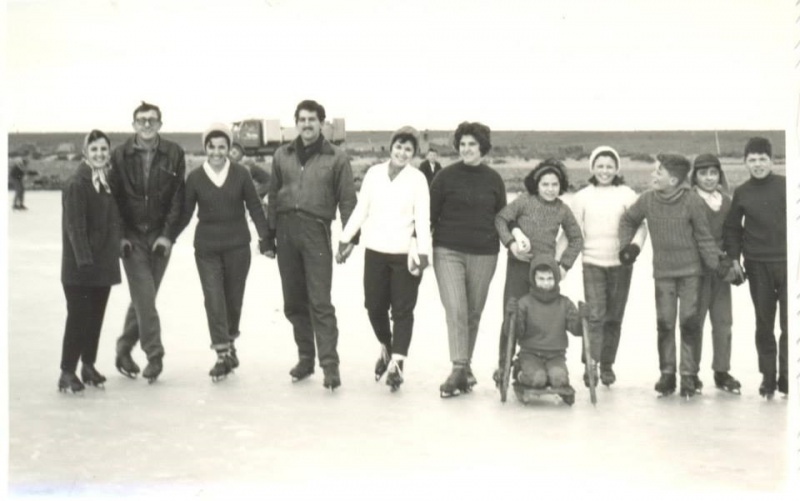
(303, 249)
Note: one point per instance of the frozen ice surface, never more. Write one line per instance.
(185, 436)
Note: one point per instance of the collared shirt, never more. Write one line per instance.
(99, 179)
(712, 199)
(218, 178)
(146, 153)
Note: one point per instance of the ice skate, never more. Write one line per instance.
(666, 384)
(303, 369)
(222, 367)
(91, 377)
(688, 386)
(69, 381)
(383, 363)
(783, 384)
(331, 377)
(471, 380)
(153, 370)
(456, 383)
(126, 366)
(768, 386)
(724, 381)
(607, 376)
(394, 378)
(497, 377)
(698, 385)
(234, 358)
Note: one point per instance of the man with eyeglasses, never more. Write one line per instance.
(148, 180)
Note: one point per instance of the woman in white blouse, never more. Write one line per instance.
(393, 215)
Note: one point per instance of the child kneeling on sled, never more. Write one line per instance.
(543, 317)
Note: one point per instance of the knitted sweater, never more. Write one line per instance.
(598, 210)
(390, 211)
(678, 229)
(464, 201)
(540, 221)
(762, 237)
(221, 220)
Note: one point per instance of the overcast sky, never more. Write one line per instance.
(72, 65)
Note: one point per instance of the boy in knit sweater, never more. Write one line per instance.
(543, 317)
(761, 201)
(680, 238)
(708, 181)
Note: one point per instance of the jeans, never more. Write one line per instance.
(538, 369)
(144, 270)
(768, 289)
(517, 285)
(715, 301)
(388, 284)
(606, 292)
(463, 281)
(670, 291)
(86, 307)
(305, 262)
(223, 276)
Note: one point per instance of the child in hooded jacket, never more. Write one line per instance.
(543, 317)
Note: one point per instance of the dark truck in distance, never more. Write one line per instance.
(260, 137)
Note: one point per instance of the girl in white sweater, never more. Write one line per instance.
(606, 281)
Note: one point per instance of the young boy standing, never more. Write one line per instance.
(680, 237)
(761, 201)
(709, 182)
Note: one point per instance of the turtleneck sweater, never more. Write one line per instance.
(762, 204)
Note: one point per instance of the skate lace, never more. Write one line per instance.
(394, 367)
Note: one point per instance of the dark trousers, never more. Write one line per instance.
(389, 285)
(715, 302)
(144, 271)
(669, 292)
(223, 275)
(86, 307)
(606, 291)
(517, 285)
(19, 192)
(305, 262)
(768, 289)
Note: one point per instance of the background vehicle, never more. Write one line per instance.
(259, 137)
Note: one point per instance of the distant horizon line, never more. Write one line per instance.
(430, 130)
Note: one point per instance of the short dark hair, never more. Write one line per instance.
(217, 133)
(758, 145)
(405, 137)
(432, 149)
(310, 105)
(144, 107)
(94, 135)
(548, 166)
(479, 131)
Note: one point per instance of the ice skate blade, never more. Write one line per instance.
(99, 386)
(129, 375)
(152, 380)
(735, 391)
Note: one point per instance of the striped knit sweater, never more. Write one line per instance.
(540, 221)
(679, 232)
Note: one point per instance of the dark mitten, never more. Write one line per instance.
(125, 249)
(511, 305)
(423, 262)
(629, 253)
(160, 250)
(583, 309)
(267, 245)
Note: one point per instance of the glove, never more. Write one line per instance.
(739, 275)
(125, 248)
(423, 262)
(583, 309)
(629, 253)
(266, 245)
(511, 305)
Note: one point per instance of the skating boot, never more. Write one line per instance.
(331, 377)
(69, 381)
(698, 385)
(724, 381)
(783, 384)
(91, 377)
(497, 377)
(767, 388)
(303, 369)
(456, 383)
(607, 376)
(383, 363)
(394, 378)
(471, 380)
(234, 358)
(153, 370)
(222, 367)
(126, 366)
(688, 386)
(666, 384)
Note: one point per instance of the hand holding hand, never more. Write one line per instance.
(423, 262)
(125, 248)
(739, 275)
(162, 246)
(519, 253)
(629, 253)
(522, 240)
(344, 252)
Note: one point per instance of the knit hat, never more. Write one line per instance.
(677, 165)
(604, 149)
(549, 166)
(221, 127)
(407, 130)
(705, 161)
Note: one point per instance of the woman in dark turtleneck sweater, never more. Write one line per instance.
(465, 197)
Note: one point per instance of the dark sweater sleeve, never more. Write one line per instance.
(631, 220)
(733, 230)
(709, 251)
(189, 204)
(574, 238)
(75, 217)
(174, 214)
(505, 216)
(437, 198)
(274, 186)
(253, 204)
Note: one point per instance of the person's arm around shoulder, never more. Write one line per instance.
(640, 237)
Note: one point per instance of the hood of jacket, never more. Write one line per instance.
(541, 294)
